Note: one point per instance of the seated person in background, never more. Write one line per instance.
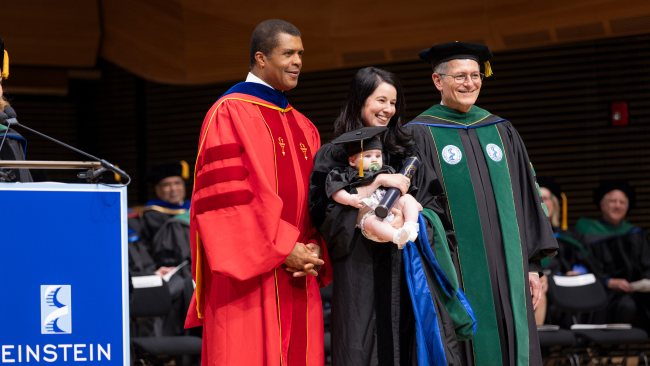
(622, 252)
(164, 222)
(14, 146)
(169, 183)
(180, 289)
(161, 241)
(572, 258)
(365, 159)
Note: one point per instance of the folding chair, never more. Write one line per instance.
(153, 302)
(584, 294)
(556, 343)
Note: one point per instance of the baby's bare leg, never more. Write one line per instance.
(379, 228)
(409, 207)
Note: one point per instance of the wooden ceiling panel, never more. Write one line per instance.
(145, 37)
(50, 33)
(207, 41)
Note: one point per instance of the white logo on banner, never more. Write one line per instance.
(494, 152)
(451, 154)
(55, 309)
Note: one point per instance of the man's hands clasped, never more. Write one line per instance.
(304, 259)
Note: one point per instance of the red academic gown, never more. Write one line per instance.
(249, 209)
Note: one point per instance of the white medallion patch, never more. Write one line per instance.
(494, 152)
(451, 154)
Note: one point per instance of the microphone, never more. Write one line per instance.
(9, 110)
(8, 117)
(115, 169)
(11, 115)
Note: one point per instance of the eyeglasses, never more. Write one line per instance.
(459, 79)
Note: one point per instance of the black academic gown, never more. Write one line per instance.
(536, 235)
(372, 316)
(573, 250)
(372, 320)
(144, 261)
(623, 255)
(14, 149)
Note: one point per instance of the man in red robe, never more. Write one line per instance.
(257, 260)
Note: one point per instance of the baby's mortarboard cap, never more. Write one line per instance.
(361, 140)
(458, 50)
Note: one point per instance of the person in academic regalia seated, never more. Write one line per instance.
(572, 258)
(495, 209)
(622, 250)
(161, 241)
(164, 222)
(180, 288)
(12, 145)
(256, 258)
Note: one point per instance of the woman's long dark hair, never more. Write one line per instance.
(396, 141)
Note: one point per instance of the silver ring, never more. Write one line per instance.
(408, 184)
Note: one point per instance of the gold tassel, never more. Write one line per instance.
(185, 172)
(361, 162)
(488, 69)
(565, 225)
(118, 179)
(5, 66)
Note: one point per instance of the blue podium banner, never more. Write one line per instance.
(64, 274)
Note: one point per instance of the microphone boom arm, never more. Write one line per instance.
(90, 175)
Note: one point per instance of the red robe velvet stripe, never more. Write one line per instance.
(242, 228)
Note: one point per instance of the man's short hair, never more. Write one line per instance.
(265, 36)
(441, 68)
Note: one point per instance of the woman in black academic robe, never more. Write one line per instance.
(372, 317)
(12, 144)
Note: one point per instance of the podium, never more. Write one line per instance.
(64, 274)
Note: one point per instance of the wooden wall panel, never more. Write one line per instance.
(558, 98)
(198, 42)
(53, 116)
(107, 121)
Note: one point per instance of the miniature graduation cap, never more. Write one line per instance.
(550, 184)
(169, 169)
(4, 65)
(607, 186)
(360, 140)
(458, 50)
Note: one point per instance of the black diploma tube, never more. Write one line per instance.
(412, 164)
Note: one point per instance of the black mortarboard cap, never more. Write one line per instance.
(458, 50)
(169, 169)
(361, 140)
(550, 184)
(607, 186)
(4, 65)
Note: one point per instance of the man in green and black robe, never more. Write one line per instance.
(622, 252)
(492, 205)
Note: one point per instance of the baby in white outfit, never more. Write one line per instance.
(373, 227)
